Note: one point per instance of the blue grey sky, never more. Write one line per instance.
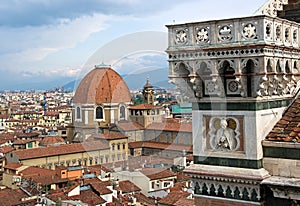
(54, 40)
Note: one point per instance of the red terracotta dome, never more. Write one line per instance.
(102, 85)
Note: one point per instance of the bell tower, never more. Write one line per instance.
(240, 74)
(148, 93)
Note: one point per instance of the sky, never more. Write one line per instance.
(52, 42)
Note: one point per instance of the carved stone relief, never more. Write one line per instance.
(202, 35)
(181, 36)
(224, 134)
(249, 31)
(225, 33)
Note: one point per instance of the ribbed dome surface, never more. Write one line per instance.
(102, 85)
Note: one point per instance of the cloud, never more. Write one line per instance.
(32, 44)
(16, 13)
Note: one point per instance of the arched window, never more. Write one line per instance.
(278, 67)
(269, 66)
(204, 74)
(287, 67)
(78, 113)
(122, 112)
(248, 70)
(228, 78)
(99, 113)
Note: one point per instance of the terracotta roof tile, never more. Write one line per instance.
(89, 197)
(11, 197)
(61, 149)
(173, 197)
(6, 149)
(51, 140)
(129, 126)
(144, 106)
(102, 85)
(109, 136)
(161, 145)
(144, 200)
(127, 187)
(168, 126)
(287, 129)
(13, 166)
(157, 173)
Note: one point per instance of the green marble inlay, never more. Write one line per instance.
(241, 106)
(229, 162)
(281, 152)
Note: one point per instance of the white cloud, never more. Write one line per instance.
(35, 43)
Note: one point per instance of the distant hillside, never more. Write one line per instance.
(158, 78)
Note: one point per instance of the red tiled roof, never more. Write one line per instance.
(161, 145)
(4, 116)
(109, 135)
(11, 197)
(101, 188)
(144, 200)
(27, 135)
(127, 187)
(287, 129)
(6, 136)
(144, 106)
(6, 149)
(23, 141)
(171, 126)
(129, 126)
(51, 140)
(185, 202)
(89, 197)
(61, 149)
(173, 197)
(102, 85)
(51, 113)
(41, 175)
(12, 166)
(157, 173)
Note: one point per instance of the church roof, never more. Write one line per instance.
(102, 85)
(287, 129)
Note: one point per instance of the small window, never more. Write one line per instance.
(118, 146)
(99, 113)
(124, 145)
(113, 147)
(78, 113)
(122, 112)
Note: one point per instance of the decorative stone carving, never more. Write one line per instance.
(181, 36)
(225, 33)
(202, 35)
(249, 31)
(271, 7)
(224, 134)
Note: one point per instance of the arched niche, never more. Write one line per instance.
(278, 67)
(226, 73)
(204, 73)
(269, 66)
(287, 67)
(247, 72)
(182, 70)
